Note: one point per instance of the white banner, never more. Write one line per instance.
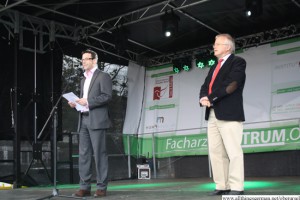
(171, 101)
(136, 84)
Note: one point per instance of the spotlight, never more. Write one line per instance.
(176, 66)
(248, 13)
(183, 63)
(186, 63)
(253, 8)
(206, 59)
(169, 23)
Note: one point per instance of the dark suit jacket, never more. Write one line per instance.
(227, 90)
(99, 95)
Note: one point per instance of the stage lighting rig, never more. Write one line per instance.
(206, 59)
(169, 23)
(254, 8)
(183, 63)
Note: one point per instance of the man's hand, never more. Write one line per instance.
(82, 101)
(72, 104)
(204, 102)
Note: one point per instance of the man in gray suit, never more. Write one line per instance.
(95, 94)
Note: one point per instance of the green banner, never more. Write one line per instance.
(254, 140)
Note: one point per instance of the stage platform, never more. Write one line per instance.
(164, 189)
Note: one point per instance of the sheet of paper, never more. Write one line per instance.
(72, 98)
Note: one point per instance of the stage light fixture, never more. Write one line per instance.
(176, 66)
(169, 23)
(211, 61)
(253, 8)
(183, 63)
(186, 63)
(205, 60)
(200, 64)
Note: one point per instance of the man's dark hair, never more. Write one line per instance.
(93, 53)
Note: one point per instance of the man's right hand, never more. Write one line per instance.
(72, 104)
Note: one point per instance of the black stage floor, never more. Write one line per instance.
(164, 189)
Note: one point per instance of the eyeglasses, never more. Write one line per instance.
(86, 59)
(218, 44)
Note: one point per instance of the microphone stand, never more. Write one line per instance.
(55, 192)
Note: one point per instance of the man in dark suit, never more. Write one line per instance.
(96, 92)
(221, 94)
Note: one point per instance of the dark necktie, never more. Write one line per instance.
(214, 75)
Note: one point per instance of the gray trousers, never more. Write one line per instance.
(92, 143)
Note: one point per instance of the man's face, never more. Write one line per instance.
(221, 47)
(87, 61)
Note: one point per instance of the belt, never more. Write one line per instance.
(85, 113)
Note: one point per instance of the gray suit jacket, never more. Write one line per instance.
(99, 95)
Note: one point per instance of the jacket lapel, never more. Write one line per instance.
(81, 86)
(224, 66)
(96, 73)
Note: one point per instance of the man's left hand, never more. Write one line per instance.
(205, 102)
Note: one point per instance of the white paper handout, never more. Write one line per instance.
(72, 98)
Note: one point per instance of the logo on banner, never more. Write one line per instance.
(160, 120)
(163, 88)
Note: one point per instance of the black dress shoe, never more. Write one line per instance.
(219, 192)
(235, 192)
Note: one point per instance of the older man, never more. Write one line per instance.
(221, 94)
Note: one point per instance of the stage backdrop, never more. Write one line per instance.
(163, 106)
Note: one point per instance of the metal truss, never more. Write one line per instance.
(139, 15)
(11, 5)
(136, 16)
(268, 36)
(244, 42)
(46, 31)
(108, 48)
